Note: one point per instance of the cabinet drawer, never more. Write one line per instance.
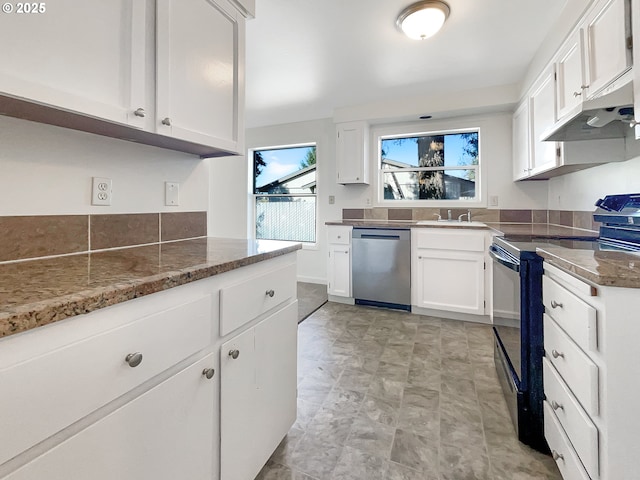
(44, 395)
(561, 449)
(339, 235)
(244, 301)
(581, 431)
(576, 317)
(439, 239)
(576, 369)
(164, 434)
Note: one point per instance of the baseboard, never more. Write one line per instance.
(319, 281)
(465, 317)
(345, 300)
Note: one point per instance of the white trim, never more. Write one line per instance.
(251, 216)
(444, 126)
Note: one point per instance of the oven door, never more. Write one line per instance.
(506, 306)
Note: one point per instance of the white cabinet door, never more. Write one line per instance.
(570, 84)
(165, 434)
(86, 57)
(276, 378)
(521, 145)
(258, 393)
(545, 155)
(339, 271)
(449, 280)
(606, 44)
(237, 398)
(200, 73)
(352, 153)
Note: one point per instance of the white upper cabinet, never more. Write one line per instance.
(607, 54)
(90, 66)
(544, 155)
(200, 57)
(521, 138)
(352, 153)
(86, 57)
(570, 84)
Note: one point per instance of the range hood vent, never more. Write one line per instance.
(607, 115)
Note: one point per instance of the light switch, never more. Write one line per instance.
(171, 193)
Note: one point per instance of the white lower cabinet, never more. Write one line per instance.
(590, 342)
(139, 390)
(448, 270)
(164, 434)
(339, 264)
(258, 393)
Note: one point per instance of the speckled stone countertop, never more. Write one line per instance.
(602, 267)
(38, 292)
(510, 229)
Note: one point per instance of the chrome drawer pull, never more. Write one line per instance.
(557, 455)
(208, 373)
(234, 353)
(270, 293)
(557, 354)
(134, 359)
(139, 112)
(555, 405)
(555, 304)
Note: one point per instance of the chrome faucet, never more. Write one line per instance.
(468, 215)
(449, 214)
(439, 216)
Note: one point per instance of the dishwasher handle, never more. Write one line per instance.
(379, 237)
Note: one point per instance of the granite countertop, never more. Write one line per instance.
(602, 267)
(500, 228)
(38, 292)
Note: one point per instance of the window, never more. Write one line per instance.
(284, 188)
(429, 166)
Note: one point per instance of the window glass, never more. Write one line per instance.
(285, 193)
(430, 166)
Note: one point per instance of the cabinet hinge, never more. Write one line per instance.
(484, 302)
(484, 265)
(629, 42)
(558, 153)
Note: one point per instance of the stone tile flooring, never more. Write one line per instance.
(394, 396)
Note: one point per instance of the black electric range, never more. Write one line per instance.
(517, 307)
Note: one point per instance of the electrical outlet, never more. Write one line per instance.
(101, 191)
(368, 202)
(332, 199)
(493, 201)
(171, 193)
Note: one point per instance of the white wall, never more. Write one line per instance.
(580, 190)
(46, 170)
(230, 213)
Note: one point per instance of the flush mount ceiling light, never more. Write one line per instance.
(423, 19)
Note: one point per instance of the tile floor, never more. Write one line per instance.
(394, 396)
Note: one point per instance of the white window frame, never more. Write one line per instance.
(451, 126)
(252, 204)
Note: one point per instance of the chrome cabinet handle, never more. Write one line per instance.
(557, 354)
(208, 373)
(577, 94)
(556, 406)
(555, 304)
(557, 455)
(133, 359)
(270, 293)
(140, 113)
(234, 353)
(166, 121)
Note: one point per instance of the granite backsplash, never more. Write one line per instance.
(567, 218)
(26, 237)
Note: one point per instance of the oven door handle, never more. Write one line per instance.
(507, 262)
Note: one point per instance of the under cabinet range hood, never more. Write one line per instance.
(607, 115)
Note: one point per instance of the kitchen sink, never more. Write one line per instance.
(451, 223)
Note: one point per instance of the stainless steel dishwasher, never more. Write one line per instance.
(381, 267)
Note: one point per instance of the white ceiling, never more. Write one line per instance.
(306, 58)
